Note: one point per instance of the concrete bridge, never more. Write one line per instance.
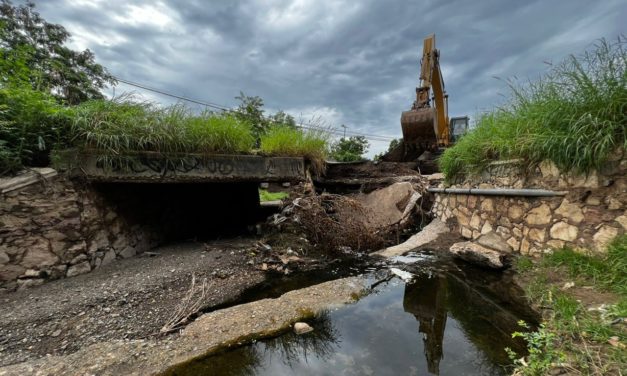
(150, 167)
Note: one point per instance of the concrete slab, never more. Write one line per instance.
(156, 168)
(26, 178)
(427, 235)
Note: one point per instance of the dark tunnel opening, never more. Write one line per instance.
(184, 211)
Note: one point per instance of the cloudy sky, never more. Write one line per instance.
(347, 62)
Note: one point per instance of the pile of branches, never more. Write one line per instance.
(332, 223)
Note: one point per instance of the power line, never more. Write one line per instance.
(226, 109)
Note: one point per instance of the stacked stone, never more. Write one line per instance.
(61, 229)
(588, 217)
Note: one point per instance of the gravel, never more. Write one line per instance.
(127, 299)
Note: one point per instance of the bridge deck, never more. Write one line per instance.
(155, 168)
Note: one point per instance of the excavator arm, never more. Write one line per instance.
(427, 125)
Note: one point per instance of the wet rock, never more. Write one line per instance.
(405, 276)
(479, 255)
(77, 269)
(302, 328)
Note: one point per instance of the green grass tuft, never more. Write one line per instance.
(608, 271)
(125, 126)
(281, 140)
(264, 195)
(574, 116)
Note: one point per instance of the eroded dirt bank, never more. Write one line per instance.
(128, 299)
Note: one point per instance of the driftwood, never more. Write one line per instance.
(189, 306)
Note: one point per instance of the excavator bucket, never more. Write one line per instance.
(418, 125)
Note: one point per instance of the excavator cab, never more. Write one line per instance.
(458, 127)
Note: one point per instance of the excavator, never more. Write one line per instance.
(427, 129)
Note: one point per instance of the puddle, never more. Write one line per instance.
(449, 320)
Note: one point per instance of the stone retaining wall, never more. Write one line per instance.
(59, 228)
(591, 214)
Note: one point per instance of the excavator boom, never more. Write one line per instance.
(427, 125)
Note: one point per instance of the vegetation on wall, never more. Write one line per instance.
(575, 116)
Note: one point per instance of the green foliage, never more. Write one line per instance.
(126, 126)
(264, 195)
(31, 124)
(33, 53)
(349, 149)
(574, 116)
(287, 141)
(523, 264)
(580, 333)
(542, 351)
(608, 271)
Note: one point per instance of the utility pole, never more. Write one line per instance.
(344, 126)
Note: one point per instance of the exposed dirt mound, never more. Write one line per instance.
(369, 170)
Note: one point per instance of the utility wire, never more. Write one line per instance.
(216, 106)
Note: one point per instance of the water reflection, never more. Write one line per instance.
(426, 300)
(444, 323)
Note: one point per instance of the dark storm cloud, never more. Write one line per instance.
(354, 62)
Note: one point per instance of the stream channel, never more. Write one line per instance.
(450, 319)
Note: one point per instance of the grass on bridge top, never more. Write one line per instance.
(32, 124)
(575, 115)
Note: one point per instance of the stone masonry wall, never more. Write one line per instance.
(62, 228)
(590, 215)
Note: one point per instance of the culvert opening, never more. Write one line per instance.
(183, 211)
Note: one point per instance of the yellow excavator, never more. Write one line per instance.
(427, 129)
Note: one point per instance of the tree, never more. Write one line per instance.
(251, 110)
(393, 145)
(284, 119)
(350, 149)
(33, 53)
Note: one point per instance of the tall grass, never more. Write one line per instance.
(289, 141)
(122, 126)
(575, 115)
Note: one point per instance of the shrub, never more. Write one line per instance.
(574, 116)
(31, 124)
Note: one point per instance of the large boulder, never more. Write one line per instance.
(480, 255)
(389, 205)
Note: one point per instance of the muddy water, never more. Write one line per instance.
(449, 320)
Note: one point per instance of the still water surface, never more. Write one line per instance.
(437, 324)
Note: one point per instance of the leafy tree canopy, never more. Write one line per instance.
(33, 52)
(350, 149)
(251, 110)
